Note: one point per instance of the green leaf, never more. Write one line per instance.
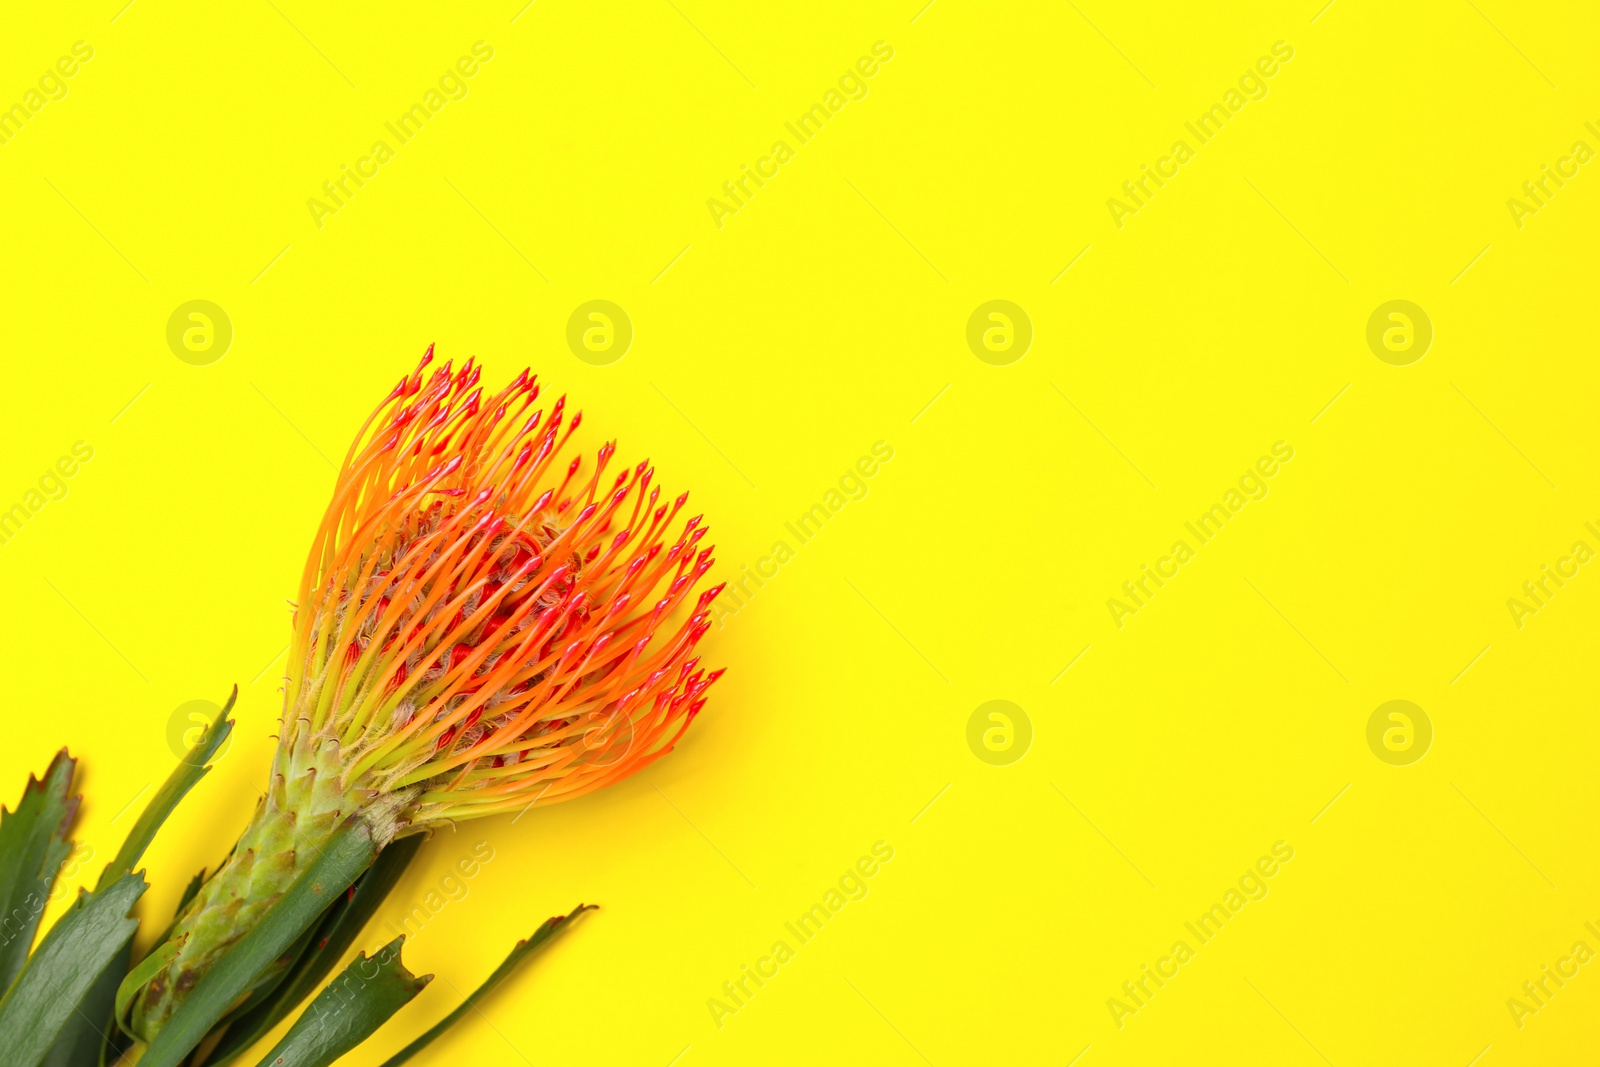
(193, 767)
(33, 842)
(69, 959)
(338, 929)
(88, 1030)
(189, 893)
(265, 984)
(349, 1010)
(116, 1043)
(522, 951)
(160, 959)
(348, 852)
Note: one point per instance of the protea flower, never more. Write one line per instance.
(482, 626)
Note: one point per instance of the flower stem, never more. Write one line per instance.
(348, 852)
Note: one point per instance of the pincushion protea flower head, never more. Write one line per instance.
(482, 626)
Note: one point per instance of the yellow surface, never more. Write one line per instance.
(776, 341)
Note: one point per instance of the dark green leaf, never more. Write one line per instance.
(89, 1028)
(524, 949)
(348, 852)
(265, 985)
(33, 842)
(349, 1010)
(189, 892)
(68, 961)
(339, 927)
(116, 1043)
(192, 768)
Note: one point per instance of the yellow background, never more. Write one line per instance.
(769, 355)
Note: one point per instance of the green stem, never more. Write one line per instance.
(304, 803)
(348, 852)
